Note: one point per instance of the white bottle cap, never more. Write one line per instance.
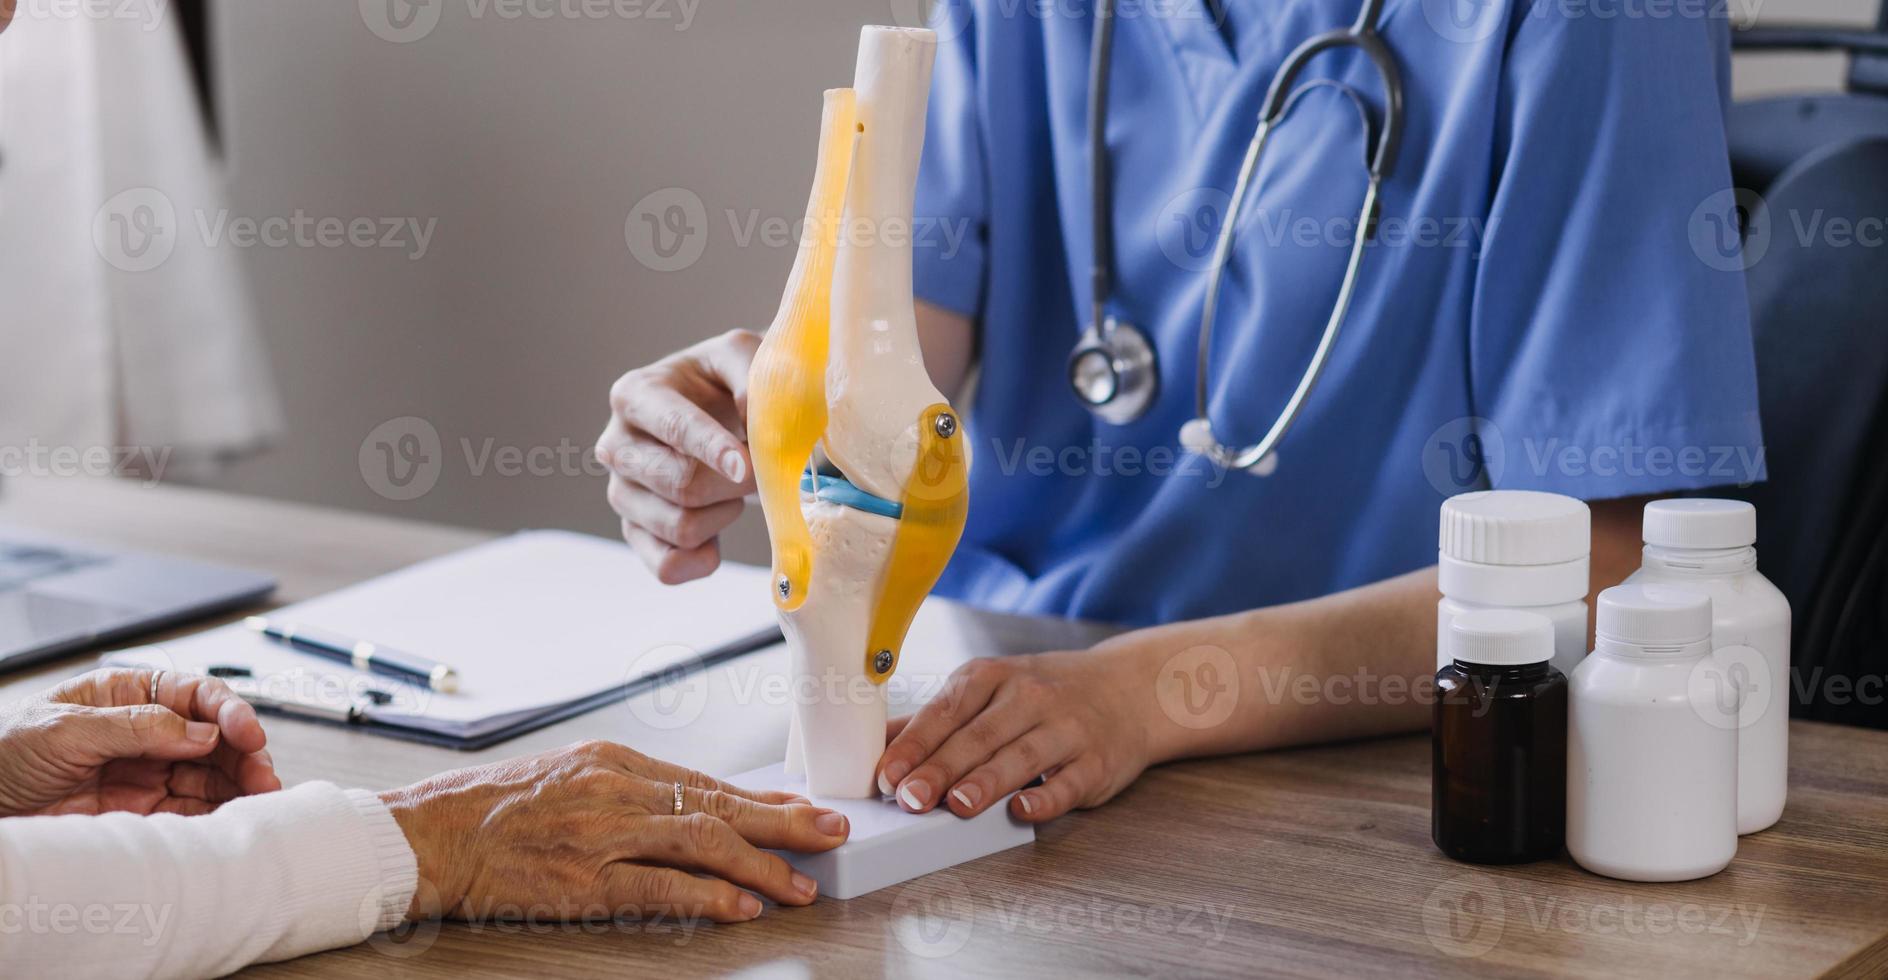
(1501, 638)
(1515, 527)
(1514, 548)
(1700, 523)
(1654, 615)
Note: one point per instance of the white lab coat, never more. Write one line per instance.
(119, 325)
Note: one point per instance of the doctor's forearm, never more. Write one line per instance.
(1347, 665)
(949, 341)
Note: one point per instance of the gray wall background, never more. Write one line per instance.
(530, 140)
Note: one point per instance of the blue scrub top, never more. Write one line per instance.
(1550, 306)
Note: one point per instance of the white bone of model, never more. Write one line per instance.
(876, 390)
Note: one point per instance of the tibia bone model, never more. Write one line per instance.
(840, 379)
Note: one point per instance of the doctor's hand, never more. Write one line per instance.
(112, 740)
(1001, 722)
(590, 831)
(676, 452)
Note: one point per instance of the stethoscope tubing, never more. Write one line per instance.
(1281, 96)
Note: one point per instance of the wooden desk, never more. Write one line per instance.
(1314, 862)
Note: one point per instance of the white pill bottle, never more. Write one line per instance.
(1516, 549)
(1708, 545)
(1651, 746)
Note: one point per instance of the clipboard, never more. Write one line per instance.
(541, 626)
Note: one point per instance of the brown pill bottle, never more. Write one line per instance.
(1500, 741)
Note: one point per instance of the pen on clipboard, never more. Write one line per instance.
(242, 681)
(360, 654)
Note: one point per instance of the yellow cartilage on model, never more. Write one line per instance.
(787, 383)
(936, 500)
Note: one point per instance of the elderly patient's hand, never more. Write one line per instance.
(111, 740)
(589, 832)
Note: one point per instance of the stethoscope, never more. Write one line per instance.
(1113, 368)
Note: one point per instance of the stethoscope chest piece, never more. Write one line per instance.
(1113, 372)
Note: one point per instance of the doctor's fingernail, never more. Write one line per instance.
(968, 794)
(914, 795)
(731, 464)
(831, 823)
(750, 906)
(888, 780)
(1028, 807)
(200, 731)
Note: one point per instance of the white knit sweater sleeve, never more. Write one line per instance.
(263, 878)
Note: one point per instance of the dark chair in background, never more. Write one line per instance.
(1819, 307)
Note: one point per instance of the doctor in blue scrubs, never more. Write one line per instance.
(1542, 305)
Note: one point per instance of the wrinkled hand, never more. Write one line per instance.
(675, 448)
(589, 831)
(1002, 722)
(100, 743)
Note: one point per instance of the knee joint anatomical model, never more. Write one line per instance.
(859, 460)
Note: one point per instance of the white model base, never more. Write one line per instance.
(889, 845)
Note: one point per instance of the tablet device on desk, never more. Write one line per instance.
(57, 595)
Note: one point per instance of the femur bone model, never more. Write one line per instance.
(860, 461)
